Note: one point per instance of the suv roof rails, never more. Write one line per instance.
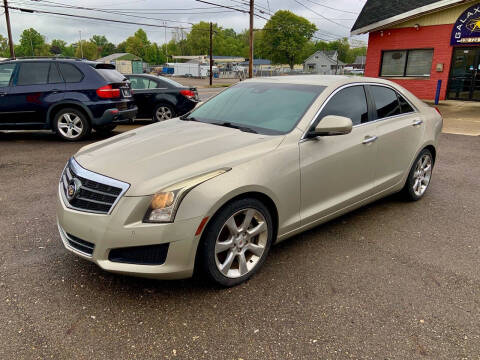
(46, 57)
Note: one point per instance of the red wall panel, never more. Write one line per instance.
(436, 37)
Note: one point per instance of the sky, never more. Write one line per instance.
(156, 12)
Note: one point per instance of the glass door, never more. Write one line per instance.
(464, 81)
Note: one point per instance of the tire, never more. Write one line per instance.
(240, 255)
(105, 129)
(71, 124)
(163, 112)
(419, 176)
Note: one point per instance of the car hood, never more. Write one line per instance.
(158, 155)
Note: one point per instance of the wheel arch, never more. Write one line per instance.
(68, 104)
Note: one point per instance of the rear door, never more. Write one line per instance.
(400, 128)
(37, 85)
(144, 90)
(6, 109)
(338, 171)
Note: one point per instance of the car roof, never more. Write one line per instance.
(43, 59)
(322, 80)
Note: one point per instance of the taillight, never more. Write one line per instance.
(188, 93)
(108, 92)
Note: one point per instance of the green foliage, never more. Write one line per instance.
(4, 48)
(32, 43)
(104, 47)
(86, 50)
(285, 36)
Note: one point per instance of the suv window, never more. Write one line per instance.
(111, 75)
(386, 101)
(35, 73)
(350, 102)
(54, 76)
(70, 73)
(6, 71)
(404, 105)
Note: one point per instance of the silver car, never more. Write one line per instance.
(262, 161)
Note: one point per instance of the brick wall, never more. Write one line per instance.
(436, 37)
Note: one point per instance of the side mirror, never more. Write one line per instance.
(332, 125)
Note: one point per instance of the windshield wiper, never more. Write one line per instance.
(235, 126)
(186, 118)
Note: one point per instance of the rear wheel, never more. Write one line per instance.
(419, 176)
(236, 242)
(163, 112)
(71, 124)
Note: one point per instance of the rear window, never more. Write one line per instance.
(170, 81)
(111, 75)
(6, 71)
(70, 73)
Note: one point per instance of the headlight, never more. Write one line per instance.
(164, 204)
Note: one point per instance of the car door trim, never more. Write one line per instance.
(369, 104)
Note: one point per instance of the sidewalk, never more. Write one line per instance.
(459, 117)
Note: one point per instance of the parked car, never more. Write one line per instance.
(260, 162)
(69, 96)
(161, 98)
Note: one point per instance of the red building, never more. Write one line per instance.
(416, 43)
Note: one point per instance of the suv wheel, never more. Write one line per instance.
(71, 124)
(163, 112)
(236, 242)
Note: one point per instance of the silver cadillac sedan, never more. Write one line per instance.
(256, 164)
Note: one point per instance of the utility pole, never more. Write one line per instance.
(250, 63)
(80, 43)
(211, 53)
(9, 30)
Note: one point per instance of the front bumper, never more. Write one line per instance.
(124, 228)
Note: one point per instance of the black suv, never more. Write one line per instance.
(69, 96)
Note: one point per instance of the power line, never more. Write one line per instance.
(323, 17)
(95, 18)
(332, 8)
(232, 8)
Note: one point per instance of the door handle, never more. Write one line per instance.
(417, 122)
(369, 139)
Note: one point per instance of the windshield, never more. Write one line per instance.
(268, 108)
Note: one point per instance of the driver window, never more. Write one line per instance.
(350, 102)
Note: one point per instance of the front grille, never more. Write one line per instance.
(141, 255)
(80, 245)
(92, 192)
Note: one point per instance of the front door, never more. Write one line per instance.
(338, 171)
(464, 82)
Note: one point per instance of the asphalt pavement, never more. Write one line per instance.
(393, 280)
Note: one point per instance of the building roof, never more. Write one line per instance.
(330, 56)
(118, 56)
(257, 62)
(378, 14)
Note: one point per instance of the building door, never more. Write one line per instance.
(464, 81)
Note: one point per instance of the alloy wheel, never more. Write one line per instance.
(422, 175)
(241, 243)
(70, 125)
(163, 113)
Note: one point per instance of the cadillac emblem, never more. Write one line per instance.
(73, 188)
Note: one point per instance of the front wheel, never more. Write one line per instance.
(163, 112)
(71, 124)
(419, 176)
(236, 242)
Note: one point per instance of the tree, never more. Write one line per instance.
(4, 48)
(58, 47)
(86, 50)
(32, 43)
(104, 47)
(285, 36)
(138, 44)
